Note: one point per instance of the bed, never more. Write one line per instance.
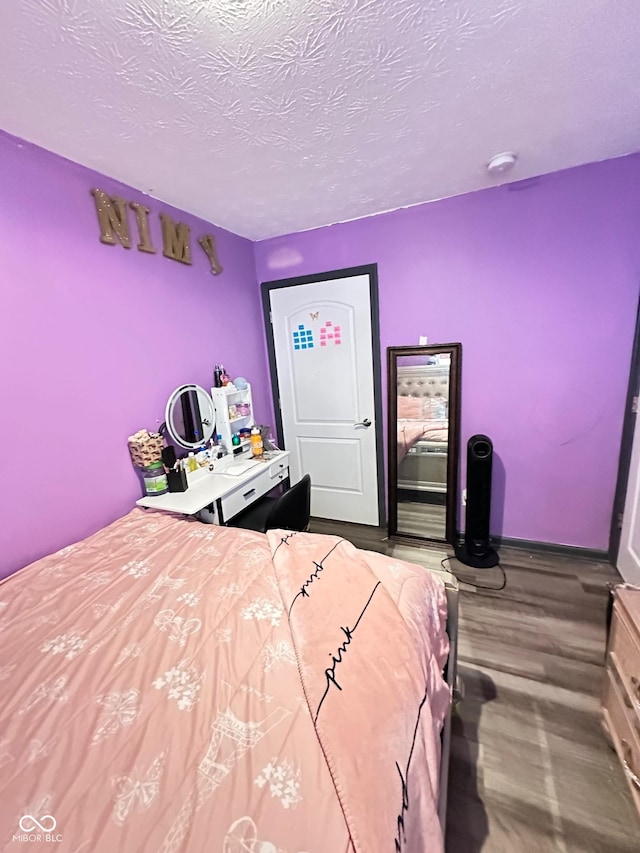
(174, 686)
(422, 427)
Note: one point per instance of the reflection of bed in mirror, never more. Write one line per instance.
(423, 431)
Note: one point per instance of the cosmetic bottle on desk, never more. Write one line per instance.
(222, 450)
(154, 479)
(257, 446)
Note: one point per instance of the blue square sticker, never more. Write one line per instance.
(296, 346)
(301, 326)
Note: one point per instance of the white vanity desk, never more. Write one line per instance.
(226, 494)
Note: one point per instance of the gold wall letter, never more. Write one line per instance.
(112, 217)
(208, 243)
(175, 240)
(142, 214)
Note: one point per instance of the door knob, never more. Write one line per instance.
(365, 423)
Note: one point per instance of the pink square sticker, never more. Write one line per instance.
(323, 343)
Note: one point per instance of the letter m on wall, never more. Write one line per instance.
(112, 218)
(176, 240)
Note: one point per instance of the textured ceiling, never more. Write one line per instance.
(271, 116)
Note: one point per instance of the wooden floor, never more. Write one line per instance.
(530, 769)
(422, 519)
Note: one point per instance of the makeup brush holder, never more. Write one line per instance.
(177, 481)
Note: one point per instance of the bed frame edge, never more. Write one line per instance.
(451, 678)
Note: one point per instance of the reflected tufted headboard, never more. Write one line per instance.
(423, 381)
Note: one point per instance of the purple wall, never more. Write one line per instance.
(94, 339)
(539, 281)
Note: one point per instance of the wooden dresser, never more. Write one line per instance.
(621, 702)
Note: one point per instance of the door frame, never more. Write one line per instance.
(626, 446)
(370, 270)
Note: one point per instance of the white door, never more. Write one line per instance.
(324, 359)
(629, 553)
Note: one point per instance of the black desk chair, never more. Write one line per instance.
(291, 511)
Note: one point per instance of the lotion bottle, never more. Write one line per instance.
(257, 447)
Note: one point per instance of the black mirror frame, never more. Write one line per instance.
(453, 449)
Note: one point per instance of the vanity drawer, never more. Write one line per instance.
(619, 722)
(278, 468)
(245, 495)
(629, 700)
(624, 651)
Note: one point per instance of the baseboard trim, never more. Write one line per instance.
(551, 548)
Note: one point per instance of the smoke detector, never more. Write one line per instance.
(501, 163)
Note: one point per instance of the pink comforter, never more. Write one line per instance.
(171, 686)
(410, 432)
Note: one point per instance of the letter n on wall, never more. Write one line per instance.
(112, 218)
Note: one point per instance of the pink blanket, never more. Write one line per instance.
(371, 693)
(410, 432)
(159, 696)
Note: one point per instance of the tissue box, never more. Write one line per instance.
(145, 448)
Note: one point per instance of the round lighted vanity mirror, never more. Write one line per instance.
(190, 416)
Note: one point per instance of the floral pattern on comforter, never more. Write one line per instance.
(153, 699)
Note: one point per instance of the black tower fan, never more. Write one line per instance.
(476, 550)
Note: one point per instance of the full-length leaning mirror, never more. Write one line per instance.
(424, 441)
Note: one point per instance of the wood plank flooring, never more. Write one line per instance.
(422, 519)
(530, 769)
